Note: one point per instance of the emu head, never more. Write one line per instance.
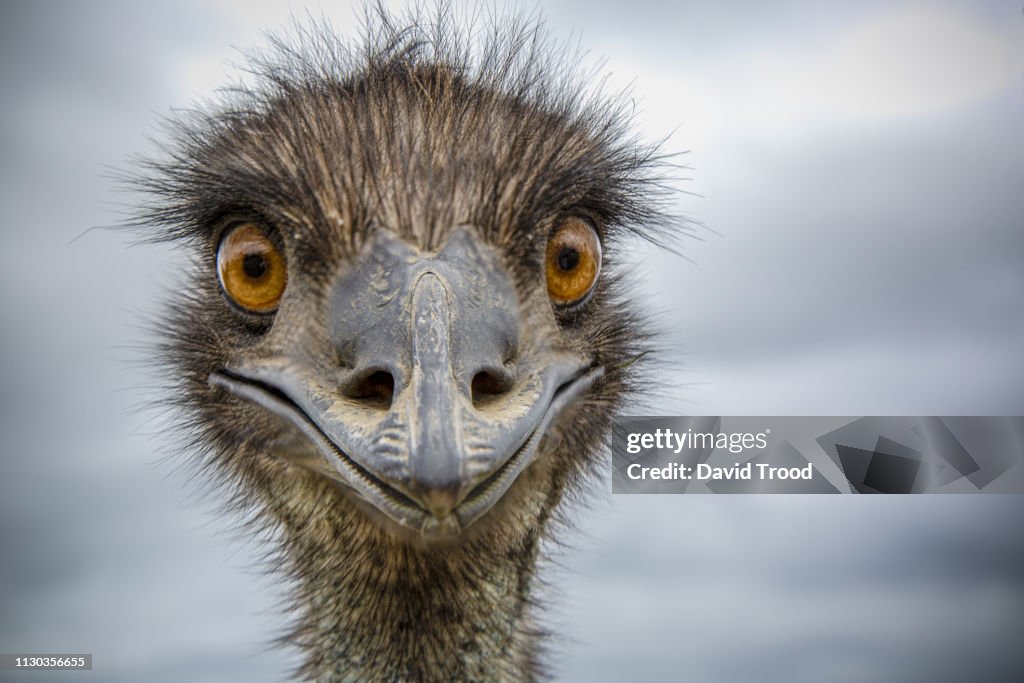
(404, 310)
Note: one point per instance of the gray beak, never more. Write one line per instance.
(433, 405)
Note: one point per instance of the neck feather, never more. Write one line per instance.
(375, 608)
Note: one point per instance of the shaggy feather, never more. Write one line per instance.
(419, 126)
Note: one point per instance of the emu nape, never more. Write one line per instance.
(404, 330)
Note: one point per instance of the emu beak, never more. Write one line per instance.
(437, 405)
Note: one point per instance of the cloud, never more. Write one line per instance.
(899, 64)
(912, 62)
(888, 65)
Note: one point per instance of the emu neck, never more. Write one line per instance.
(376, 609)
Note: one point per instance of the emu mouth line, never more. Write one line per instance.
(394, 504)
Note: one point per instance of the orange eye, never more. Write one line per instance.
(572, 262)
(251, 269)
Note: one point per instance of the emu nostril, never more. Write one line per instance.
(376, 389)
(487, 386)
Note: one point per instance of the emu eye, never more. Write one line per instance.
(572, 262)
(251, 269)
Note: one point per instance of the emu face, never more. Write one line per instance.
(410, 371)
(404, 282)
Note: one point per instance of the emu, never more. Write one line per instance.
(404, 329)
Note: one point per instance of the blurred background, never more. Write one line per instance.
(860, 168)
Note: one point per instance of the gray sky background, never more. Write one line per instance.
(861, 166)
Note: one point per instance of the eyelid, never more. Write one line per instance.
(229, 220)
